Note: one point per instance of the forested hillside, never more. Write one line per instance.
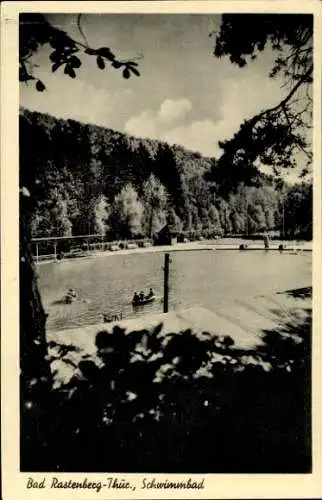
(93, 180)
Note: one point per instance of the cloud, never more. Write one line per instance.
(172, 111)
(170, 123)
(142, 125)
(155, 124)
(241, 99)
(176, 122)
(198, 136)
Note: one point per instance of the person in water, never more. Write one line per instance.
(151, 293)
(136, 297)
(72, 293)
(141, 296)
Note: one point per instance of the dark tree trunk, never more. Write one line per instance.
(33, 348)
(35, 374)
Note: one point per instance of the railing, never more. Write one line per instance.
(64, 247)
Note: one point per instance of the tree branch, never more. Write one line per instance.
(283, 103)
(81, 30)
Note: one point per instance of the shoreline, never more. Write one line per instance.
(186, 247)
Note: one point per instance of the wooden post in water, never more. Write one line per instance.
(166, 283)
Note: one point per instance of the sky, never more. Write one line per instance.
(184, 95)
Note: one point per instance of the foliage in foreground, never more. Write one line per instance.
(36, 32)
(280, 135)
(182, 403)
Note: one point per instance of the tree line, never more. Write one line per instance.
(93, 180)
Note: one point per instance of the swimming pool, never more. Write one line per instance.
(206, 278)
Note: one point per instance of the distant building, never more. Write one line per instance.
(168, 235)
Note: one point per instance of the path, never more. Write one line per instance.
(193, 246)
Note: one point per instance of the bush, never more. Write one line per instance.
(184, 403)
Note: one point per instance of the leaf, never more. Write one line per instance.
(69, 71)
(89, 369)
(135, 71)
(158, 329)
(40, 86)
(55, 66)
(54, 56)
(75, 62)
(100, 62)
(106, 52)
(126, 73)
(72, 73)
(116, 64)
(52, 43)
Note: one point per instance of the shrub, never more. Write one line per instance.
(185, 403)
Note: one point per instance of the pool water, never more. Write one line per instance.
(197, 278)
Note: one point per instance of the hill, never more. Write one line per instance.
(91, 179)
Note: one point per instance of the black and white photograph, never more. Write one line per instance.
(165, 244)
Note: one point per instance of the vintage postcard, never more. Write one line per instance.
(161, 249)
